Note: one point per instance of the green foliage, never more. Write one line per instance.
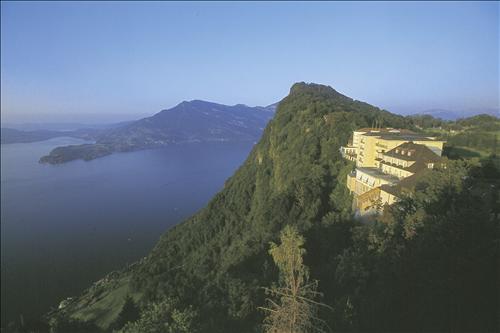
(163, 317)
(426, 121)
(427, 264)
(288, 258)
(86, 152)
(217, 260)
(467, 137)
(292, 306)
(483, 141)
(483, 122)
(430, 262)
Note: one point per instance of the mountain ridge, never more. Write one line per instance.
(188, 121)
(217, 259)
(11, 135)
(453, 115)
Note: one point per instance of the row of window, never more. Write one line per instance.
(404, 152)
(395, 172)
(396, 161)
(366, 180)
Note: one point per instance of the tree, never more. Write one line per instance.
(292, 308)
(129, 313)
(163, 317)
(429, 263)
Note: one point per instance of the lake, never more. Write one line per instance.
(66, 226)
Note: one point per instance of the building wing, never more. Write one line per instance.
(387, 161)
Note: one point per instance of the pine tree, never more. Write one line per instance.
(291, 306)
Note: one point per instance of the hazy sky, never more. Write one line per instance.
(95, 61)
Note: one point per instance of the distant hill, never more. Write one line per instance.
(33, 132)
(62, 126)
(193, 121)
(482, 121)
(454, 115)
(11, 135)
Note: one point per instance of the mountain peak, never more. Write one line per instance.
(315, 89)
(195, 101)
(200, 101)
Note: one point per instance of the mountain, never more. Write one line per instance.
(62, 126)
(10, 135)
(454, 115)
(439, 113)
(428, 263)
(481, 121)
(217, 260)
(194, 121)
(24, 133)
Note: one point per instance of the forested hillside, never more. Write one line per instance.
(428, 264)
(475, 136)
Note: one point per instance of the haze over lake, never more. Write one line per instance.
(66, 226)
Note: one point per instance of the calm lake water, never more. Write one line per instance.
(65, 226)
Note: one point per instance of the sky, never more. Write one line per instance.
(114, 61)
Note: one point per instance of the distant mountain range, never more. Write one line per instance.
(454, 115)
(62, 126)
(32, 132)
(11, 135)
(194, 121)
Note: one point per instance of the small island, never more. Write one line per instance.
(84, 152)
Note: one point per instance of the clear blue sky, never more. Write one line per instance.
(94, 61)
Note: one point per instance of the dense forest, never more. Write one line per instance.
(428, 263)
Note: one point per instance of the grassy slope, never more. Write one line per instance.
(102, 302)
(470, 137)
(104, 310)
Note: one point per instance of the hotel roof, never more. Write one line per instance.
(410, 151)
(407, 183)
(401, 137)
(389, 133)
(408, 137)
(385, 130)
(375, 172)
